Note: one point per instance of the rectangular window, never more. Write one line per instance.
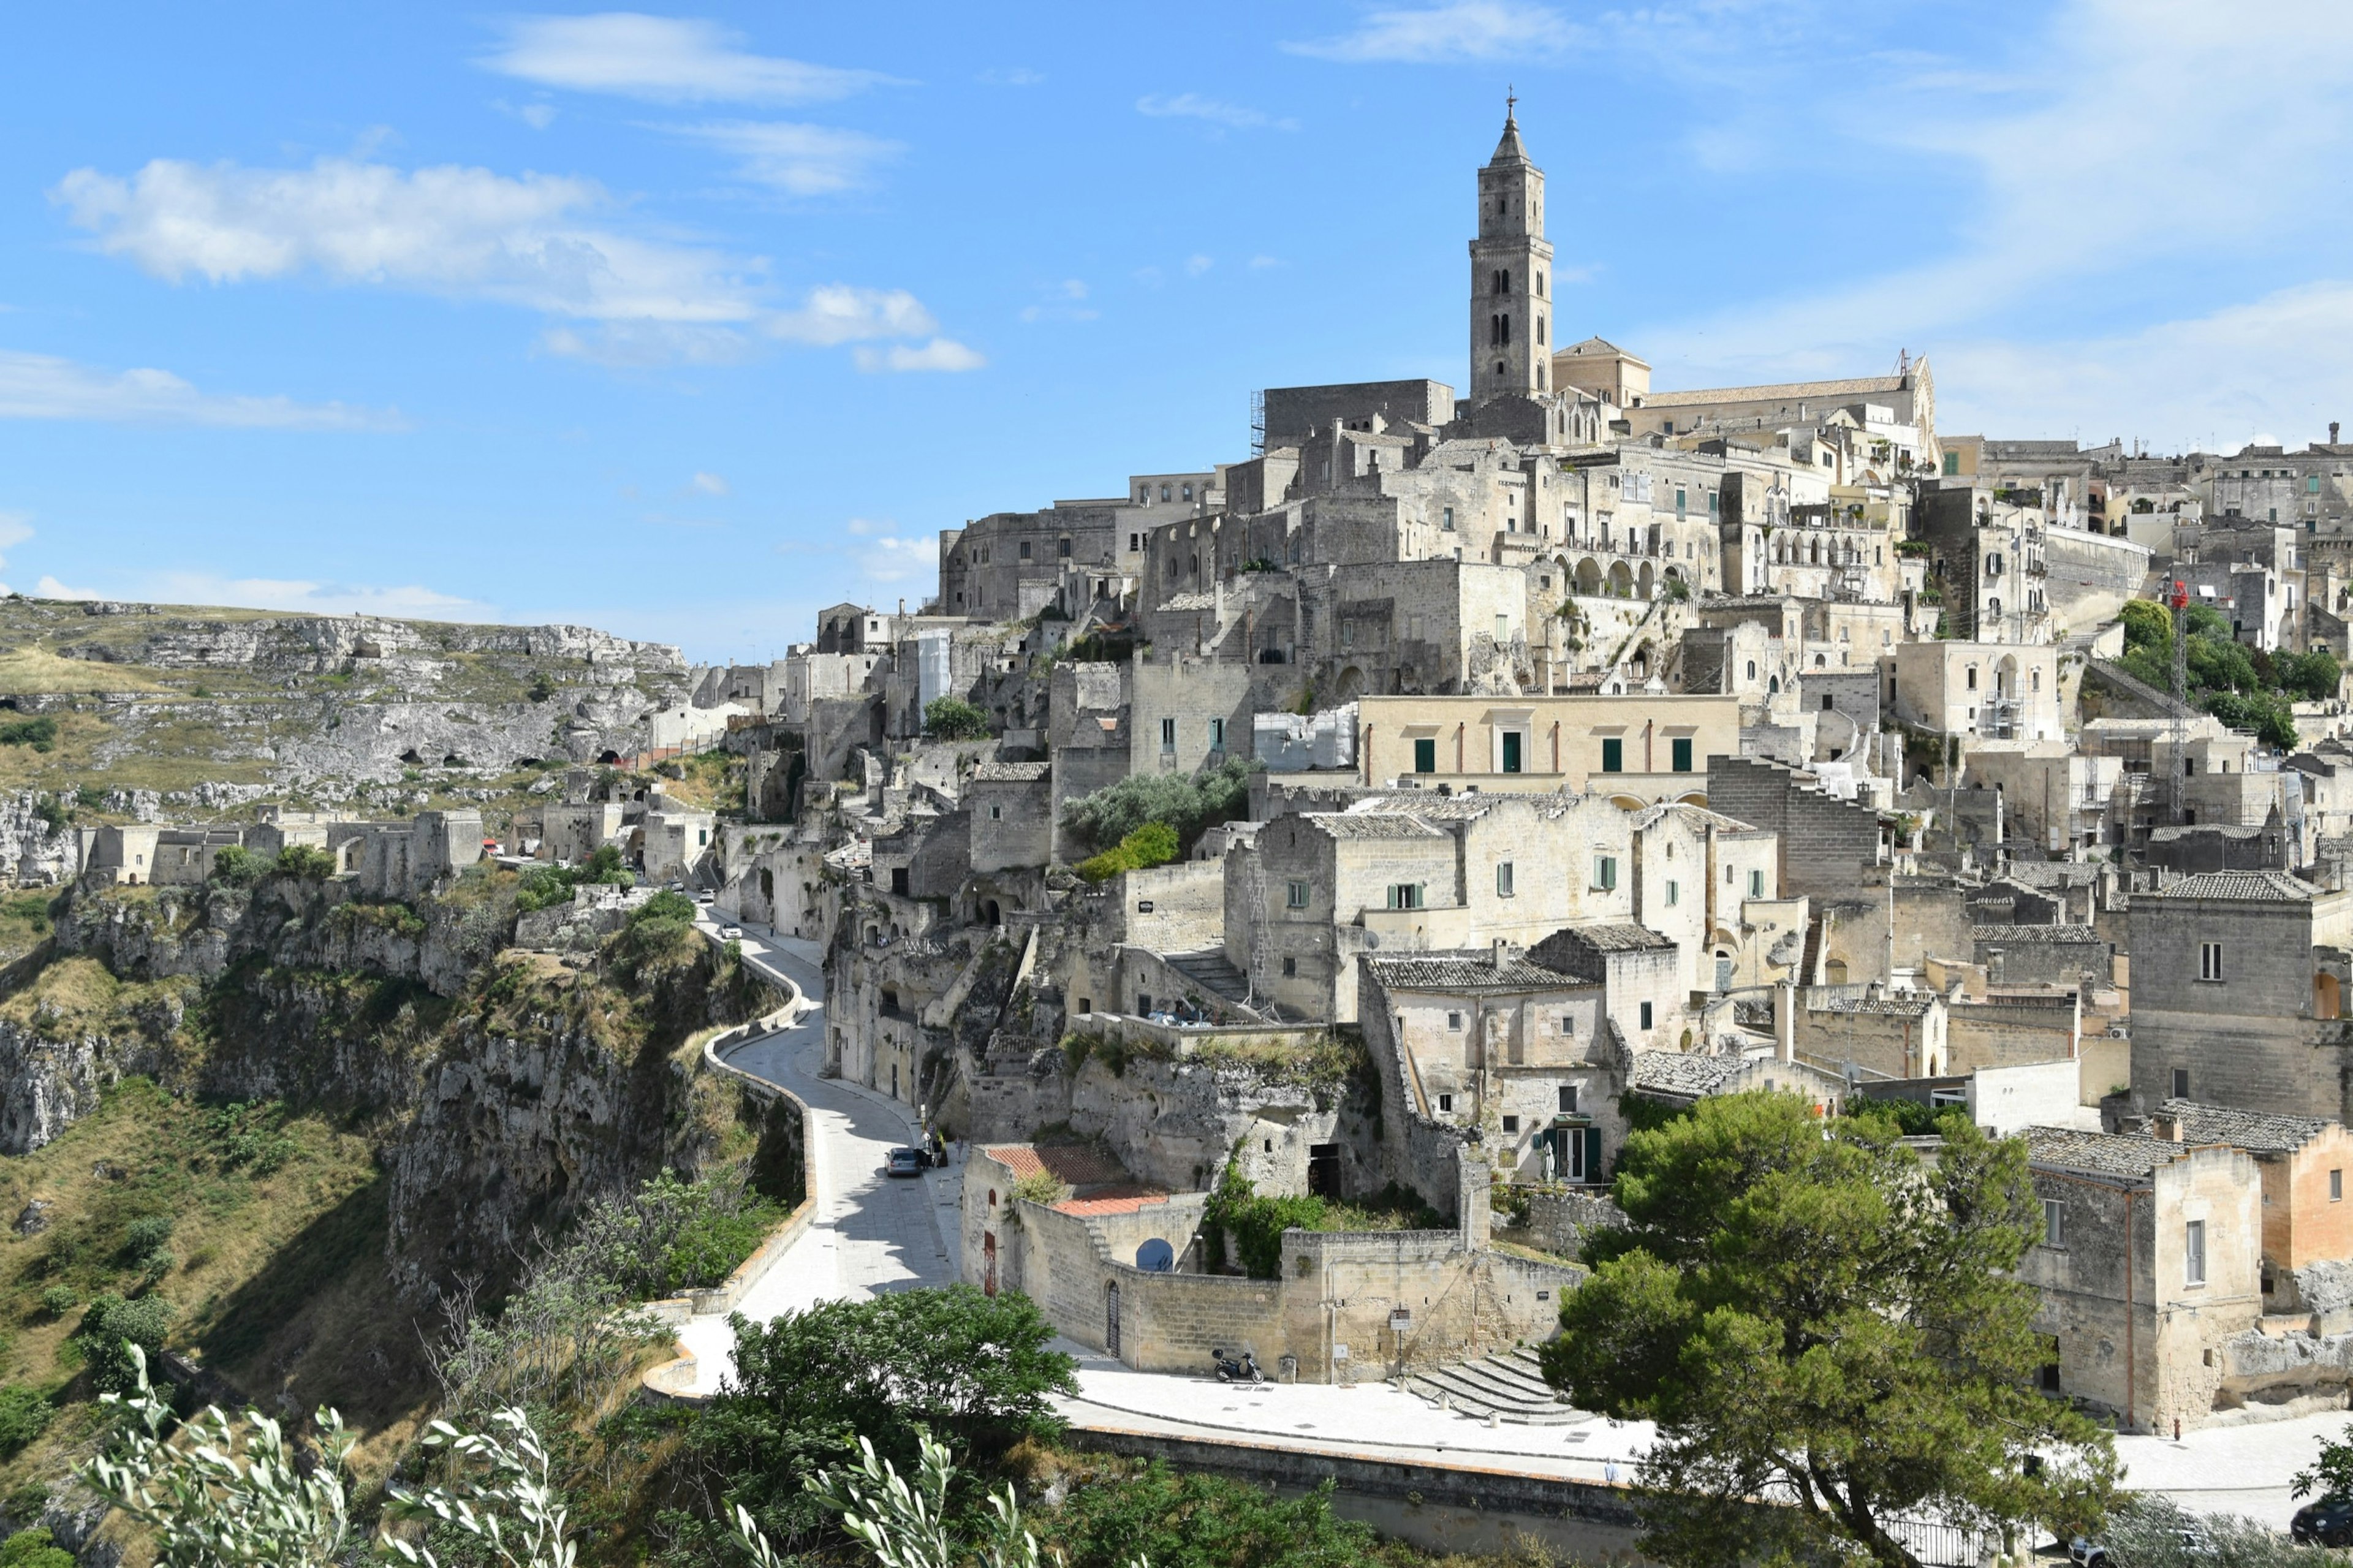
(1646, 1014)
(2193, 1253)
(1682, 754)
(1511, 1124)
(996, 814)
(2054, 1222)
(1024, 550)
(1972, 681)
(1168, 734)
(2181, 1083)
(1503, 880)
(1425, 756)
(1290, 968)
(1568, 1099)
(1135, 542)
(1755, 884)
(1448, 523)
(1503, 628)
(1454, 1022)
(2209, 961)
(1613, 756)
(1297, 896)
(1674, 892)
(1952, 462)
(1405, 895)
(1062, 549)
(1511, 751)
(1605, 873)
(2336, 1186)
(1445, 1104)
(1569, 1026)
(1679, 500)
(1216, 734)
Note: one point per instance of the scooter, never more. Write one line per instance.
(1232, 1371)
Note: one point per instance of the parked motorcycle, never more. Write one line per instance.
(1232, 1371)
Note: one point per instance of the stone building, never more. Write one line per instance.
(2238, 987)
(1639, 748)
(1490, 1046)
(2151, 1262)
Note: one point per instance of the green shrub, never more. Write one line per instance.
(237, 867)
(1154, 844)
(712, 1244)
(24, 1416)
(59, 1300)
(954, 718)
(1190, 807)
(34, 1548)
(542, 887)
(1180, 1518)
(40, 733)
(1255, 1222)
(303, 860)
(110, 1326)
(145, 1234)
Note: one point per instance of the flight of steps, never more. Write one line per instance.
(1506, 1387)
(1211, 971)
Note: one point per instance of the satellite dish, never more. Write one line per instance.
(1155, 1257)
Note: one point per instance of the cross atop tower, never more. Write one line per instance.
(1511, 101)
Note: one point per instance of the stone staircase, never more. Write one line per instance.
(1211, 971)
(1506, 1387)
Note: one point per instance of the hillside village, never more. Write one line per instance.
(1403, 810)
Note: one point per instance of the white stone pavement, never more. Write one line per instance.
(872, 1233)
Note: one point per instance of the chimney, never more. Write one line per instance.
(1784, 1022)
(2165, 1128)
(1503, 953)
(2332, 431)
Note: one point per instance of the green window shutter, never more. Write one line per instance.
(1682, 754)
(1593, 1153)
(1425, 756)
(1613, 756)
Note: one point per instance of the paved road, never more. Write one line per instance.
(872, 1233)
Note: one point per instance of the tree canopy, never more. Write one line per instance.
(1188, 805)
(2244, 686)
(1813, 1317)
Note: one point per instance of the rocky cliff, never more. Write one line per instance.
(502, 1090)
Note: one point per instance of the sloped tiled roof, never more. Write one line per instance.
(1080, 1164)
(2207, 830)
(1618, 936)
(2270, 887)
(1468, 969)
(1115, 1201)
(2105, 1153)
(1369, 825)
(2255, 1130)
(1790, 391)
(1010, 773)
(1698, 814)
(1682, 1073)
(2014, 934)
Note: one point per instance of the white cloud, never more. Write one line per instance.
(50, 588)
(889, 559)
(1067, 296)
(666, 60)
(638, 345)
(1193, 106)
(837, 313)
(863, 526)
(1465, 30)
(940, 354)
(538, 116)
(460, 232)
(1259, 263)
(15, 527)
(470, 234)
(709, 484)
(41, 386)
(1011, 76)
(798, 160)
(2178, 383)
(1196, 264)
(308, 597)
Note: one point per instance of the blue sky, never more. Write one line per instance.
(686, 323)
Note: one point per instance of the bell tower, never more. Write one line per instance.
(1510, 275)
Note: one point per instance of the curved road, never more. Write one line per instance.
(872, 1233)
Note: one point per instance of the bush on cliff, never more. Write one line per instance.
(1154, 844)
(1189, 806)
(302, 860)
